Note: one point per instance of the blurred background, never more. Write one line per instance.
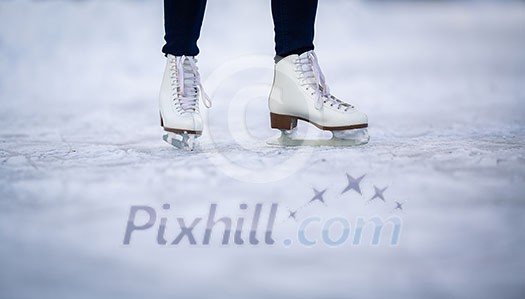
(441, 81)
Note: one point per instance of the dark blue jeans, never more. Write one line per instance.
(293, 24)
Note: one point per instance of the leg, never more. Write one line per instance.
(300, 91)
(294, 26)
(181, 88)
(182, 23)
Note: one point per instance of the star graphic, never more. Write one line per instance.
(399, 205)
(292, 214)
(318, 196)
(353, 184)
(378, 193)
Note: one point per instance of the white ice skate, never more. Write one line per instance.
(179, 102)
(300, 92)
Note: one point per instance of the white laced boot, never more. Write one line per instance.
(300, 92)
(179, 101)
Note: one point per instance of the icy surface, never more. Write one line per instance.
(442, 83)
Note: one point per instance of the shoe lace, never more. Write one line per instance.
(311, 76)
(186, 83)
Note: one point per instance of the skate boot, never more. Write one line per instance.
(179, 102)
(300, 92)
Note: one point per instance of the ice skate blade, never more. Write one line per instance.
(183, 141)
(339, 138)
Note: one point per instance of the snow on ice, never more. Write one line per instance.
(80, 144)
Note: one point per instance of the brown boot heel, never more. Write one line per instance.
(282, 122)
